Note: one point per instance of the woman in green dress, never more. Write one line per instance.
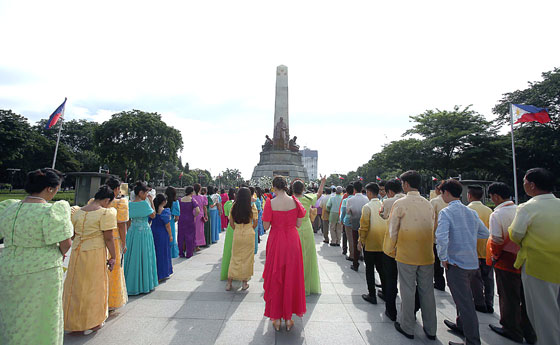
(307, 237)
(36, 236)
(226, 256)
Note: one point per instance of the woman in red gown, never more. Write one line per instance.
(284, 285)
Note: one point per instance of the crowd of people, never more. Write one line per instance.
(121, 247)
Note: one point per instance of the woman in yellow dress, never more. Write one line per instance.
(117, 285)
(243, 219)
(85, 297)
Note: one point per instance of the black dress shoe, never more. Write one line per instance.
(369, 298)
(392, 317)
(401, 331)
(455, 343)
(453, 326)
(332, 244)
(349, 258)
(481, 308)
(431, 337)
(325, 241)
(381, 295)
(507, 334)
(354, 268)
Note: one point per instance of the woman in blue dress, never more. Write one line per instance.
(215, 219)
(173, 205)
(260, 226)
(140, 269)
(161, 231)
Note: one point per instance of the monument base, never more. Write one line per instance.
(285, 163)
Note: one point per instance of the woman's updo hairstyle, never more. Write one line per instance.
(280, 183)
(189, 190)
(104, 192)
(113, 183)
(197, 188)
(140, 187)
(298, 187)
(158, 200)
(38, 180)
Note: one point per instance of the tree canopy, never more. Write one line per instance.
(138, 141)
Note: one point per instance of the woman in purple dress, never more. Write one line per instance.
(187, 232)
(202, 201)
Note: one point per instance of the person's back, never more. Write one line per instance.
(540, 247)
(415, 236)
(284, 283)
(463, 234)
(535, 229)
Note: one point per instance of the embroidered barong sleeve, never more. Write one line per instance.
(364, 224)
(394, 226)
(518, 228)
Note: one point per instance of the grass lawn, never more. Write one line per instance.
(19, 194)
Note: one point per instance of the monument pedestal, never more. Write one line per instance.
(276, 162)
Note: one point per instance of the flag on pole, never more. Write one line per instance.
(528, 113)
(181, 175)
(360, 178)
(398, 179)
(59, 112)
(341, 178)
(434, 179)
(378, 178)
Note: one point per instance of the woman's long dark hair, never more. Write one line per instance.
(242, 213)
(171, 194)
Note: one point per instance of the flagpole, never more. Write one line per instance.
(513, 154)
(58, 138)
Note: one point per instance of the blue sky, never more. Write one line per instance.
(356, 70)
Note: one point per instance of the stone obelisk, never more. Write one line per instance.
(280, 155)
(281, 100)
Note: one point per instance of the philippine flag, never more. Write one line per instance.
(59, 112)
(528, 113)
(378, 178)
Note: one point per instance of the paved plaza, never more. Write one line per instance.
(192, 307)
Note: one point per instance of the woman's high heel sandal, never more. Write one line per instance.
(289, 325)
(276, 324)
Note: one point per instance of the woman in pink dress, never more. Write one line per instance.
(284, 285)
(225, 198)
(202, 217)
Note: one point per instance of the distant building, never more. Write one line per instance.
(309, 158)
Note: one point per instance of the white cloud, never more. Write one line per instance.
(209, 67)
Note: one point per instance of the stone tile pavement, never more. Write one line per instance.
(192, 307)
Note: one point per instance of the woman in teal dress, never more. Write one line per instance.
(258, 205)
(307, 237)
(228, 242)
(140, 268)
(173, 206)
(36, 236)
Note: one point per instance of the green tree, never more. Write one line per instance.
(447, 135)
(536, 144)
(138, 141)
(230, 178)
(14, 131)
